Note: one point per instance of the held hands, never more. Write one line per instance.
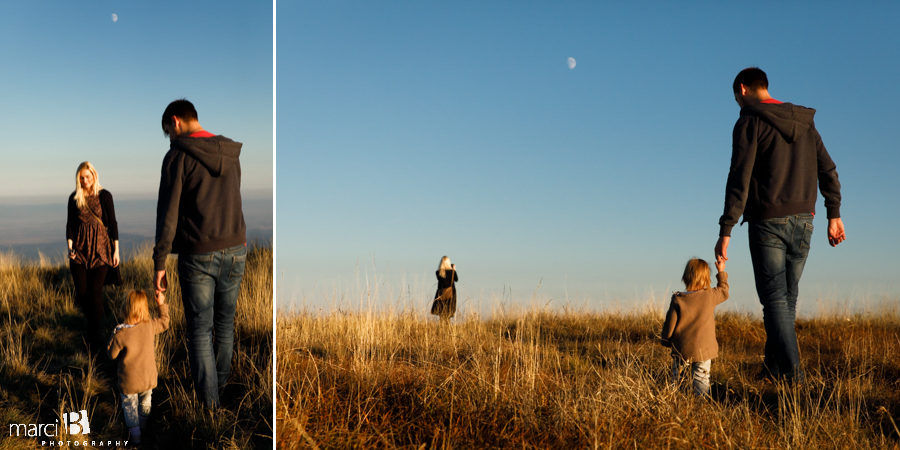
(720, 265)
(836, 233)
(72, 253)
(160, 298)
(722, 249)
(160, 282)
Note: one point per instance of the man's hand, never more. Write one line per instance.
(836, 233)
(160, 282)
(160, 298)
(722, 248)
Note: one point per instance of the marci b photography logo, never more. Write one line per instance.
(75, 425)
(75, 422)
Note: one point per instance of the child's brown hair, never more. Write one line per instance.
(136, 308)
(696, 275)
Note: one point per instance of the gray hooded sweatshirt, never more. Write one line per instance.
(199, 207)
(777, 160)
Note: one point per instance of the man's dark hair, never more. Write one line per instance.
(180, 108)
(752, 77)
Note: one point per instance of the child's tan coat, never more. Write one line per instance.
(690, 326)
(137, 352)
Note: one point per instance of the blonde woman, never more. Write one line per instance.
(444, 304)
(92, 235)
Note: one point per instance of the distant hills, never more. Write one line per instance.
(33, 229)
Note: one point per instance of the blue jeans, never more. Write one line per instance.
(699, 373)
(778, 248)
(210, 284)
(136, 408)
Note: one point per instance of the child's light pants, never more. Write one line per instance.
(699, 373)
(136, 408)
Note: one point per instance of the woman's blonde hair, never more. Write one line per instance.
(444, 266)
(136, 309)
(696, 274)
(79, 192)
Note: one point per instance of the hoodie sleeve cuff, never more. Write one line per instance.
(725, 230)
(834, 212)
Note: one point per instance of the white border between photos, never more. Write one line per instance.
(274, 225)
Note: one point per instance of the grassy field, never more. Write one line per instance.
(541, 379)
(46, 370)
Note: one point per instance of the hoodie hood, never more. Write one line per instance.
(792, 121)
(217, 153)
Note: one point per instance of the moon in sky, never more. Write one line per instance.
(571, 62)
(115, 17)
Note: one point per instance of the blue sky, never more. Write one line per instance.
(80, 86)
(410, 130)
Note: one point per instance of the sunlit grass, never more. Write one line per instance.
(538, 378)
(46, 370)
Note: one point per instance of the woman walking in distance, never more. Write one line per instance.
(93, 238)
(444, 305)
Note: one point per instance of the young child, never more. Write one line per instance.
(690, 326)
(132, 344)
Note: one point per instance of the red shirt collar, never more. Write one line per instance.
(771, 101)
(201, 134)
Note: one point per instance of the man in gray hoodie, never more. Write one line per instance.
(199, 217)
(777, 161)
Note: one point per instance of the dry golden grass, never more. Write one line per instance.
(45, 369)
(540, 379)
